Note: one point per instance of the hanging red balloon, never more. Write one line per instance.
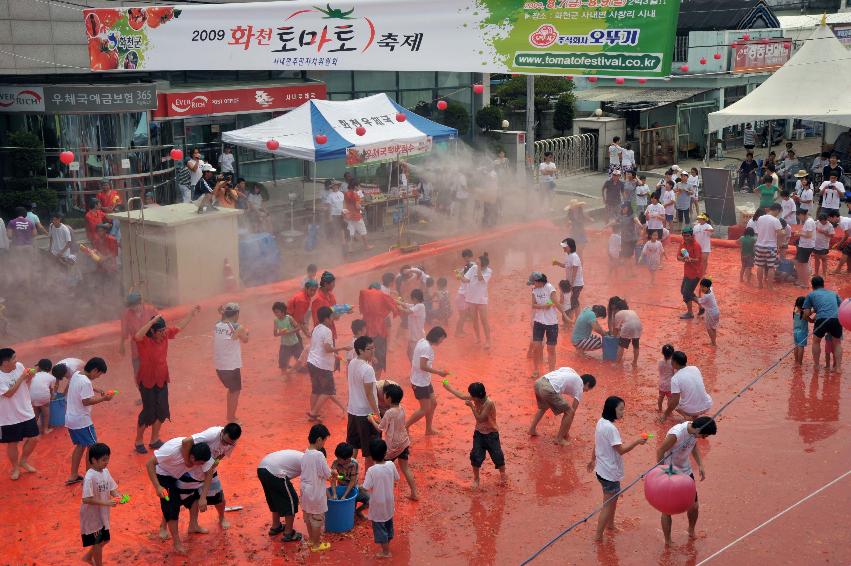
(321, 139)
(669, 490)
(746, 37)
(478, 89)
(360, 131)
(642, 81)
(400, 117)
(764, 40)
(442, 104)
(717, 56)
(684, 68)
(592, 79)
(272, 145)
(734, 45)
(787, 45)
(569, 77)
(176, 154)
(619, 81)
(703, 60)
(66, 157)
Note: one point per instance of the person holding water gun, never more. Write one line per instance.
(691, 257)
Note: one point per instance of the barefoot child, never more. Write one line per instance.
(800, 329)
(321, 361)
(709, 309)
(824, 232)
(344, 470)
(666, 372)
(379, 480)
(42, 389)
(549, 389)
(421, 371)
(746, 243)
(287, 328)
(396, 435)
(416, 318)
(607, 461)
(442, 306)
(99, 489)
(486, 433)
(314, 475)
(78, 415)
(564, 292)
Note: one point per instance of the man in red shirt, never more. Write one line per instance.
(108, 197)
(135, 316)
(298, 306)
(152, 378)
(325, 298)
(691, 269)
(94, 216)
(354, 216)
(375, 306)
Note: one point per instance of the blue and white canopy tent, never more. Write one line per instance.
(364, 130)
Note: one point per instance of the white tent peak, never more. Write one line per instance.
(815, 84)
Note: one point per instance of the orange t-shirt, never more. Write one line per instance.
(352, 203)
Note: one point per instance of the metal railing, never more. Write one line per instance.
(571, 154)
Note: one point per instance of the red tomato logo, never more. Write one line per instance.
(159, 15)
(101, 57)
(544, 36)
(136, 18)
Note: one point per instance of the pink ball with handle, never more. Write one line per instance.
(845, 314)
(669, 490)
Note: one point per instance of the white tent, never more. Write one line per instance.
(815, 84)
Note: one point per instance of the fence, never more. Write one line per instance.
(571, 154)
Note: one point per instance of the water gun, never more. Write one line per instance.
(165, 496)
(123, 499)
(342, 309)
(112, 392)
(91, 252)
(647, 435)
(684, 253)
(555, 261)
(445, 381)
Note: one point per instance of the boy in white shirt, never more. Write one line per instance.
(42, 388)
(669, 199)
(641, 192)
(789, 212)
(832, 192)
(416, 318)
(17, 419)
(320, 364)
(314, 476)
(78, 414)
(99, 493)
(276, 472)
(688, 394)
(824, 232)
(379, 481)
(703, 235)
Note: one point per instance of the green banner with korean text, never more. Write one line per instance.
(550, 37)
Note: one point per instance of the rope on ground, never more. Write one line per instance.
(778, 515)
(599, 508)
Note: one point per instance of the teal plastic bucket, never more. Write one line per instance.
(610, 348)
(340, 517)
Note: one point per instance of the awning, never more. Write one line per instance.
(634, 98)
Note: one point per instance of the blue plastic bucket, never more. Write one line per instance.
(610, 348)
(57, 412)
(340, 517)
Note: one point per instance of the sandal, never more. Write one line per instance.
(78, 479)
(323, 546)
(156, 445)
(140, 449)
(276, 530)
(293, 536)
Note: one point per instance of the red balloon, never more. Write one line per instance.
(734, 45)
(360, 131)
(176, 154)
(746, 37)
(272, 145)
(764, 40)
(717, 56)
(684, 68)
(703, 60)
(642, 81)
(845, 314)
(592, 79)
(478, 89)
(669, 490)
(442, 104)
(66, 157)
(569, 77)
(321, 139)
(787, 45)
(400, 117)
(619, 81)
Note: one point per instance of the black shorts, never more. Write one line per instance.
(171, 508)
(380, 360)
(802, 255)
(286, 352)
(627, 248)
(574, 297)
(321, 381)
(18, 431)
(486, 443)
(550, 330)
(624, 342)
(230, 378)
(820, 252)
(403, 455)
(154, 405)
(687, 289)
(359, 432)
(422, 392)
(100, 537)
(823, 326)
(281, 496)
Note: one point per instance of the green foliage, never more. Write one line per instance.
(564, 112)
(489, 118)
(21, 192)
(27, 182)
(455, 116)
(512, 94)
(27, 155)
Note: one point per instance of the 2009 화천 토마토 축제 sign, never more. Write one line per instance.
(556, 37)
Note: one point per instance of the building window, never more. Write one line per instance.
(681, 48)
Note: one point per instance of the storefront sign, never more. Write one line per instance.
(760, 57)
(76, 99)
(236, 100)
(556, 37)
(843, 34)
(385, 152)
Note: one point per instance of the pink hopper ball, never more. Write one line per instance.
(442, 104)
(272, 145)
(478, 89)
(619, 81)
(669, 490)
(845, 314)
(360, 131)
(176, 154)
(66, 157)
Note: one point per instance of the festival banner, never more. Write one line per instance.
(545, 37)
(391, 151)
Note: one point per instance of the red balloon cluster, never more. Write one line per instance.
(400, 117)
(176, 154)
(669, 490)
(734, 45)
(272, 145)
(787, 45)
(321, 139)
(360, 130)
(66, 157)
(442, 104)
(569, 77)
(478, 89)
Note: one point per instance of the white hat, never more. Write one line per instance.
(675, 167)
(207, 167)
(616, 172)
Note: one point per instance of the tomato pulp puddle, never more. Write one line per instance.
(778, 443)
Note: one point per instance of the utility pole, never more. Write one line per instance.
(530, 122)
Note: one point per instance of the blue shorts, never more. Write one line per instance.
(800, 338)
(382, 531)
(83, 436)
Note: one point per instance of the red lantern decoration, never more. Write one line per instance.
(478, 89)
(442, 104)
(845, 314)
(66, 157)
(176, 154)
(569, 77)
(669, 490)
(321, 139)
(717, 56)
(642, 81)
(787, 45)
(764, 40)
(703, 60)
(734, 45)
(360, 131)
(400, 117)
(746, 37)
(684, 68)
(619, 81)
(592, 79)
(272, 145)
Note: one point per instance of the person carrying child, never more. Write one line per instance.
(99, 493)
(344, 472)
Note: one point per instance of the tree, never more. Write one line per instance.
(512, 93)
(564, 112)
(455, 116)
(28, 182)
(489, 118)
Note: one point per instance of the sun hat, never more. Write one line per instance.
(702, 216)
(801, 173)
(207, 167)
(230, 308)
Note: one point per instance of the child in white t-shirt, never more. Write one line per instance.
(314, 496)
(666, 372)
(824, 232)
(703, 235)
(42, 389)
(565, 290)
(416, 318)
(99, 489)
(709, 309)
(652, 254)
(379, 481)
(614, 251)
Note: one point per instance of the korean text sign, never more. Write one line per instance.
(605, 37)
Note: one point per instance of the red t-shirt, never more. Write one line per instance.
(132, 322)
(691, 269)
(299, 306)
(109, 198)
(93, 218)
(153, 360)
(324, 299)
(375, 305)
(352, 202)
(106, 245)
